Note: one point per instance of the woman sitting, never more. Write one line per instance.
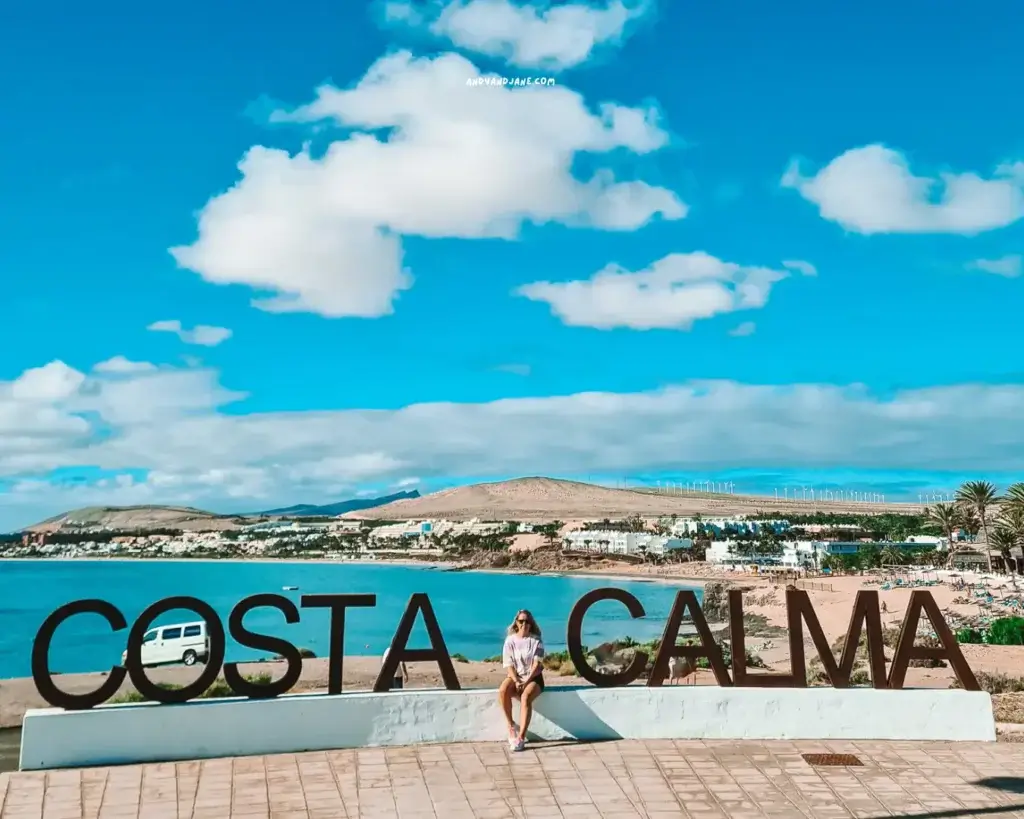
(521, 657)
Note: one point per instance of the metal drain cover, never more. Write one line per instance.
(837, 760)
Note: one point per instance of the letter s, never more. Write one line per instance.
(239, 684)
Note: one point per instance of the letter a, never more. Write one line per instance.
(437, 653)
(668, 649)
(907, 651)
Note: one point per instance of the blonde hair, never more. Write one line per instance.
(534, 628)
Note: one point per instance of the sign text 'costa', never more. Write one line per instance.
(865, 620)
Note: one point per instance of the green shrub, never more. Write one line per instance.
(560, 663)
(1007, 631)
(996, 683)
(969, 636)
(860, 677)
(460, 658)
(218, 690)
(135, 696)
(497, 658)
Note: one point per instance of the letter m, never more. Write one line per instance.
(865, 613)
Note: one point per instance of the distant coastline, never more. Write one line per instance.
(620, 572)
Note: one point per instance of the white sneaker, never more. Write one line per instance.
(518, 745)
(513, 737)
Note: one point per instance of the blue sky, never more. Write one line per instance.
(780, 241)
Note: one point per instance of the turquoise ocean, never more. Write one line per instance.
(473, 608)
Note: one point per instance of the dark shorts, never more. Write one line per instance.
(539, 679)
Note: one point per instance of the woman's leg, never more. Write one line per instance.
(506, 691)
(530, 693)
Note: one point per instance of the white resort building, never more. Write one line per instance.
(800, 554)
(419, 529)
(624, 543)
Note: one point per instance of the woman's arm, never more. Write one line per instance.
(510, 666)
(537, 666)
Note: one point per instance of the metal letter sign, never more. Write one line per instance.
(864, 619)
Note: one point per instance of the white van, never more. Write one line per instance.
(181, 643)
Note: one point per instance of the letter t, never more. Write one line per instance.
(337, 603)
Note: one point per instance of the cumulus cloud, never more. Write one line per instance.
(120, 364)
(51, 383)
(672, 293)
(169, 427)
(872, 190)
(203, 335)
(1007, 266)
(527, 35)
(747, 328)
(424, 155)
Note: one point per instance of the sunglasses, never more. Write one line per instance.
(522, 620)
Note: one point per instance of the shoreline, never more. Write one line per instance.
(614, 573)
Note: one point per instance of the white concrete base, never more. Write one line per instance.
(120, 734)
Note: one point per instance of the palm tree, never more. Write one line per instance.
(1004, 540)
(979, 497)
(1011, 522)
(892, 556)
(1015, 496)
(947, 517)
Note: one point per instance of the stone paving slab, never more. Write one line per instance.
(655, 780)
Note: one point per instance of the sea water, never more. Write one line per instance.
(473, 608)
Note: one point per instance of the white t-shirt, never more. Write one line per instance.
(520, 652)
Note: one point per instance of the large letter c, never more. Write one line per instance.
(574, 638)
(41, 656)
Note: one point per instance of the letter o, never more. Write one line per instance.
(574, 638)
(215, 631)
(45, 685)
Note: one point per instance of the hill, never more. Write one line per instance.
(331, 509)
(548, 499)
(129, 518)
(134, 518)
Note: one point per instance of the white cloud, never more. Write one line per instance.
(169, 425)
(801, 267)
(1008, 266)
(872, 190)
(747, 328)
(51, 383)
(672, 293)
(528, 35)
(323, 234)
(120, 364)
(202, 334)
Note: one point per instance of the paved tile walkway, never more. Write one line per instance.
(658, 780)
